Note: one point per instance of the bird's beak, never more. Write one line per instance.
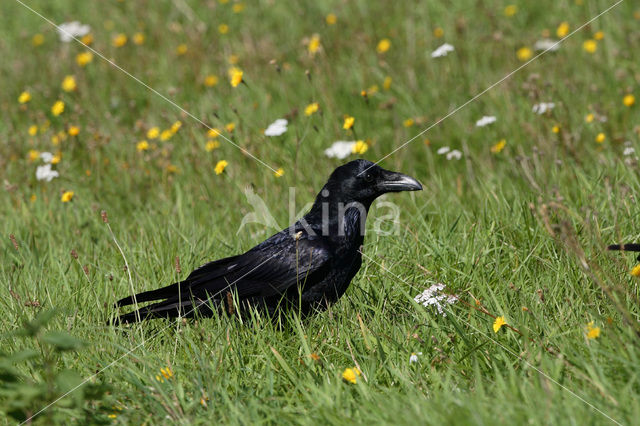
(396, 182)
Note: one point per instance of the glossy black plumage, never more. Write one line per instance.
(306, 266)
(625, 247)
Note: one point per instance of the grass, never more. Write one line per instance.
(522, 228)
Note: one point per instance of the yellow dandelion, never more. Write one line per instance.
(176, 126)
(589, 118)
(87, 39)
(33, 155)
(83, 58)
(182, 49)
(211, 145)
(235, 75)
(24, 97)
(279, 172)
(213, 133)
(153, 133)
(601, 137)
(360, 147)
(311, 108)
(166, 372)
(119, 40)
(220, 166)
(524, 53)
(69, 83)
(37, 40)
(592, 332)
(166, 134)
(112, 416)
(33, 130)
(67, 196)
(230, 127)
(498, 147)
(408, 122)
(386, 84)
(348, 122)
(555, 129)
(223, 28)
(629, 100)
(33, 198)
(238, 7)
(57, 108)
(56, 158)
(383, 45)
(438, 32)
(599, 35)
(636, 271)
(351, 375)
(563, 29)
(498, 323)
(73, 130)
(138, 38)
(331, 19)
(210, 80)
(142, 146)
(590, 46)
(314, 44)
(159, 378)
(510, 10)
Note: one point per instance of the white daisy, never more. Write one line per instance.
(69, 30)
(442, 50)
(276, 128)
(45, 173)
(433, 296)
(486, 120)
(340, 149)
(543, 107)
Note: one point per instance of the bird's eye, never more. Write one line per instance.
(368, 177)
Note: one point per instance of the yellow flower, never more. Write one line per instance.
(210, 80)
(408, 122)
(235, 75)
(37, 39)
(279, 172)
(166, 372)
(438, 32)
(238, 7)
(166, 134)
(67, 196)
(138, 38)
(311, 108)
(87, 39)
(211, 145)
(314, 44)
(69, 84)
(524, 53)
(223, 28)
(589, 118)
(119, 40)
(499, 146)
(360, 147)
(153, 133)
(331, 19)
(383, 45)
(351, 375)
(142, 146)
(599, 35)
(73, 130)
(498, 323)
(181, 49)
(83, 58)
(172, 169)
(176, 126)
(563, 29)
(33, 155)
(55, 140)
(57, 108)
(510, 10)
(373, 89)
(592, 332)
(56, 158)
(220, 166)
(629, 100)
(213, 133)
(348, 122)
(230, 127)
(590, 46)
(555, 129)
(24, 97)
(601, 137)
(636, 271)
(33, 198)
(33, 130)
(386, 84)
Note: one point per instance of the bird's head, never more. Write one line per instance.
(363, 181)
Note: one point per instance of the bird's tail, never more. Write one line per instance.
(172, 308)
(625, 247)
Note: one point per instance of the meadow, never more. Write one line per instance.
(160, 123)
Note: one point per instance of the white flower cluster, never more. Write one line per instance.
(44, 172)
(70, 30)
(434, 296)
(451, 154)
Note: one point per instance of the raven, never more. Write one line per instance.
(306, 266)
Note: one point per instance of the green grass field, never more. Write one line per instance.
(517, 231)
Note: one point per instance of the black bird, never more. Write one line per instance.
(306, 266)
(625, 247)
